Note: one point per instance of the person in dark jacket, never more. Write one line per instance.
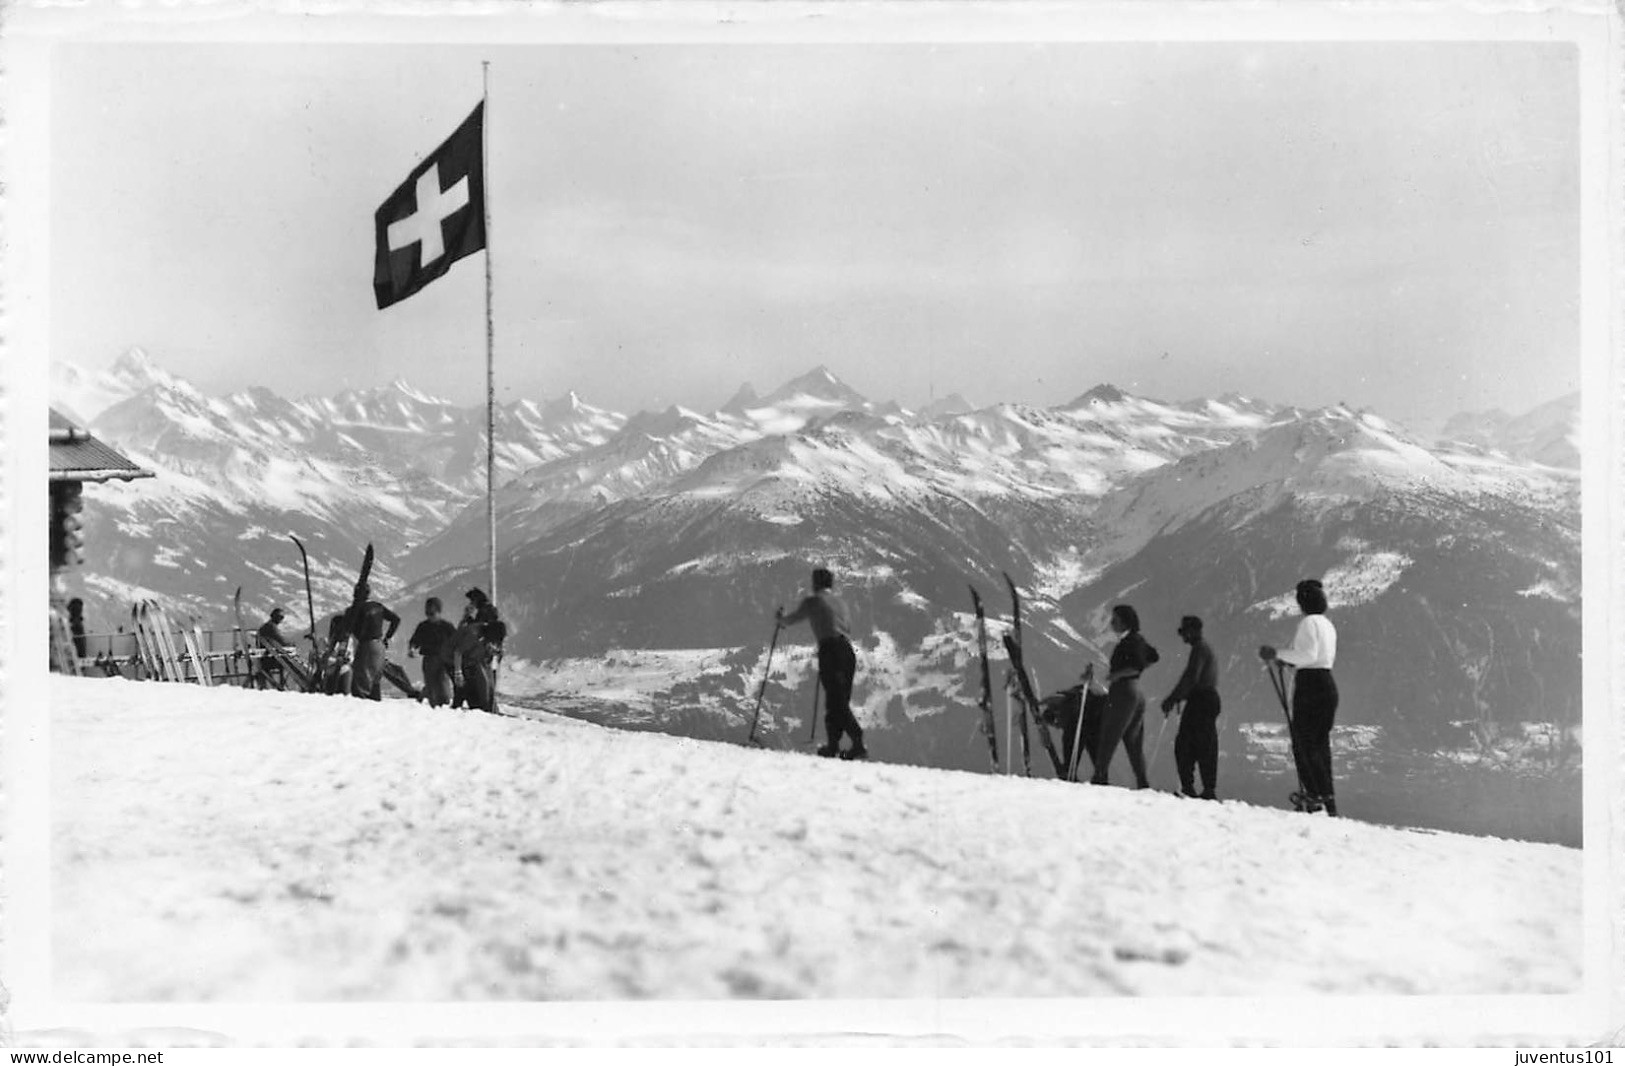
(1124, 716)
(271, 640)
(435, 639)
(471, 677)
(1314, 694)
(837, 662)
(493, 630)
(1196, 745)
(371, 624)
(270, 633)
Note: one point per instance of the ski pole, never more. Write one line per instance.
(1158, 745)
(762, 691)
(1277, 671)
(1077, 729)
(812, 735)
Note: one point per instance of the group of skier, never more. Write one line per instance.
(1113, 712)
(459, 660)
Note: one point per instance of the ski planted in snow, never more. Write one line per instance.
(239, 639)
(200, 650)
(1012, 694)
(164, 659)
(314, 670)
(986, 699)
(64, 653)
(158, 633)
(149, 662)
(353, 616)
(1027, 697)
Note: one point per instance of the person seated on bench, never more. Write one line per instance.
(271, 639)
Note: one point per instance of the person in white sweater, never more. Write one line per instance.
(1314, 694)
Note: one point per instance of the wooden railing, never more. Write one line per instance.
(155, 647)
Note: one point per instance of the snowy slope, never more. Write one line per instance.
(232, 845)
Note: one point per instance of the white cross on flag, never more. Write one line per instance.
(436, 217)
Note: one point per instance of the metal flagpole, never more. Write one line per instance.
(490, 344)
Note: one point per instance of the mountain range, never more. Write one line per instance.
(1453, 564)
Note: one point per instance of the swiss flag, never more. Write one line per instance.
(436, 217)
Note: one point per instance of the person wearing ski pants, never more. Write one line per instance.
(434, 639)
(1124, 718)
(837, 663)
(1314, 693)
(368, 619)
(1196, 745)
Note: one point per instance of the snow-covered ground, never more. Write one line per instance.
(223, 844)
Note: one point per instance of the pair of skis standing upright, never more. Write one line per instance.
(1027, 697)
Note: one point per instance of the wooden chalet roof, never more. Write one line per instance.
(77, 456)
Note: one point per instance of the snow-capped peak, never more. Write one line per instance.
(565, 407)
(134, 362)
(947, 407)
(1103, 393)
(136, 372)
(818, 384)
(405, 388)
(1548, 433)
(742, 400)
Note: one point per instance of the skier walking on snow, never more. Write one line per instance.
(435, 639)
(1314, 693)
(367, 624)
(1196, 745)
(837, 662)
(1124, 717)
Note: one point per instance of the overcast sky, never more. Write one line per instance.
(1395, 225)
